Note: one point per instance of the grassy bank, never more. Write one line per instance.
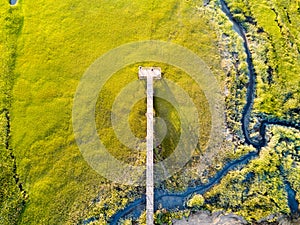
(258, 191)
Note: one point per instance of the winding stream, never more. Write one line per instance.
(292, 201)
(177, 200)
(251, 84)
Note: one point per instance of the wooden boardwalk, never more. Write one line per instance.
(149, 74)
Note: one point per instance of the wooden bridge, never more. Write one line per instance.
(149, 74)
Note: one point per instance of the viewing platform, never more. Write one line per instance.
(154, 72)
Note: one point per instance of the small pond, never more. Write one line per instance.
(13, 2)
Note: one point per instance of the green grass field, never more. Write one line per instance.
(56, 44)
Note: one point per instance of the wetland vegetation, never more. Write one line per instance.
(47, 46)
